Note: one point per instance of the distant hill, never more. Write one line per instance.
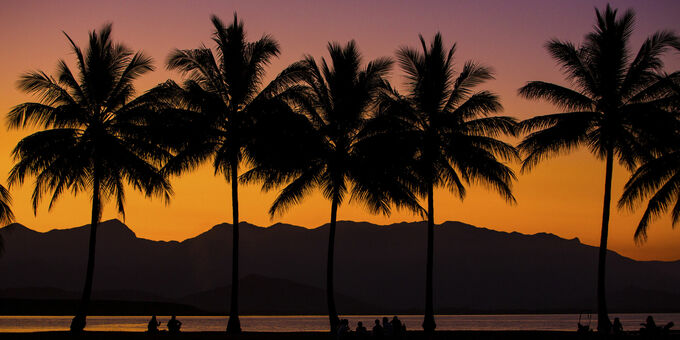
(269, 296)
(378, 268)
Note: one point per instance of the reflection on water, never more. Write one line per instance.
(309, 323)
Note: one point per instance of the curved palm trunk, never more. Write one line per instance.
(234, 324)
(79, 320)
(603, 323)
(330, 295)
(428, 322)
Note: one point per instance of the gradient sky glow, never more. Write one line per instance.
(561, 196)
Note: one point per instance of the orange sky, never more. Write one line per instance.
(562, 196)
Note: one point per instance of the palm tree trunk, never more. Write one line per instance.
(234, 324)
(428, 322)
(79, 320)
(330, 296)
(603, 323)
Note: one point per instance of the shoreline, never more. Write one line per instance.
(255, 315)
(477, 335)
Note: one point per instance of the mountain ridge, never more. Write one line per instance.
(476, 269)
(281, 225)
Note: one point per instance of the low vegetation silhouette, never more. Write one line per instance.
(616, 109)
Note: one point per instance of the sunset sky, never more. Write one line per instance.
(561, 196)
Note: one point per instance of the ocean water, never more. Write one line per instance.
(310, 323)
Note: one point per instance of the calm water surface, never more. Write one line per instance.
(309, 323)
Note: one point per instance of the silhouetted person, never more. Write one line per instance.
(152, 327)
(387, 327)
(378, 331)
(361, 330)
(617, 327)
(174, 325)
(396, 326)
(649, 327)
(343, 329)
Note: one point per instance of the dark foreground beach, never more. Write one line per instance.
(463, 335)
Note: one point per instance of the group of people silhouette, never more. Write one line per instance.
(173, 325)
(394, 328)
(649, 328)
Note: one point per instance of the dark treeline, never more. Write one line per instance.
(338, 126)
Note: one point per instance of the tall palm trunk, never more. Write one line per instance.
(603, 323)
(330, 293)
(428, 322)
(234, 324)
(79, 320)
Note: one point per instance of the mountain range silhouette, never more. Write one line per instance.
(379, 269)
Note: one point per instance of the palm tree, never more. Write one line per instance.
(6, 215)
(454, 137)
(221, 100)
(659, 177)
(610, 109)
(94, 137)
(328, 144)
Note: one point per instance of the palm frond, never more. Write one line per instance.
(479, 104)
(561, 133)
(494, 127)
(574, 63)
(658, 203)
(138, 65)
(6, 215)
(648, 178)
(45, 87)
(473, 74)
(45, 116)
(560, 96)
(201, 67)
(294, 192)
(647, 61)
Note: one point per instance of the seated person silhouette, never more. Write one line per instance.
(361, 330)
(617, 327)
(396, 326)
(152, 327)
(649, 327)
(377, 329)
(174, 325)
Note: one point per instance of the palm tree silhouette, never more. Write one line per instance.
(659, 177)
(611, 110)
(328, 144)
(6, 215)
(222, 100)
(453, 137)
(94, 135)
